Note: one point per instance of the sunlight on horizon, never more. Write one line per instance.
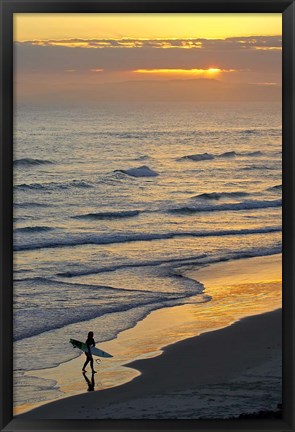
(81, 55)
(184, 72)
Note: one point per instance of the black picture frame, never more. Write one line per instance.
(8, 8)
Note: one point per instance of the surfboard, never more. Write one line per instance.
(94, 351)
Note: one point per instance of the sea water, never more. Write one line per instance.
(110, 200)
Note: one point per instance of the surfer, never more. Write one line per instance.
(89, 342)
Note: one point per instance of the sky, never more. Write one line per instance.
(102, 57)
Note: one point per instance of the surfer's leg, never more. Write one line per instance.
(91, 364)
(86, 363)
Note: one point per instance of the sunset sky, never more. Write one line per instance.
(109, 56)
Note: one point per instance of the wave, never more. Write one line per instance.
(28, 162)
(142, 171)
(200, 260)
(103, 302)
(53, 185)
(275, 188)
(109, 215)
(219, 195)
(34, 229)
(37, 280)
(32, 186)
(229, 154)
(17, 219)
(198, 157)
(133, 237)
(236, 255)
(143, 303)
(158, 134)
(30, 204)
(246, 205)
(253, 153)
(249, 131)
(258, 167)
(66, 317)
(89, 271)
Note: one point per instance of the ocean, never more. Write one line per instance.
(112, 200)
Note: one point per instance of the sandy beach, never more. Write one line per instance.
(228, 364)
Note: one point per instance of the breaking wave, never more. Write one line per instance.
(89, 239)
(142, 171)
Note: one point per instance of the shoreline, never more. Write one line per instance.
(155, 389)
(158, 332)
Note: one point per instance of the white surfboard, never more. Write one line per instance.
(94, 351)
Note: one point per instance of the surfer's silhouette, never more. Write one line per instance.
(89, 359)
(91, 384)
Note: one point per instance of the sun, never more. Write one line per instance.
(213, 70)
